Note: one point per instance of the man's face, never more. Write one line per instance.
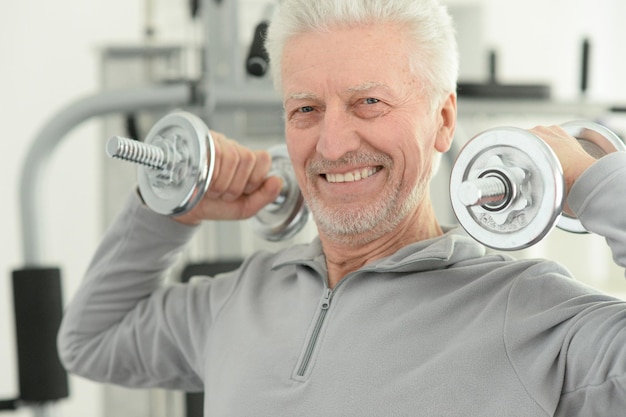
(360, 135)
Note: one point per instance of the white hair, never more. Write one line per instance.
(435, 59)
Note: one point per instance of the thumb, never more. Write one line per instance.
(264, 195)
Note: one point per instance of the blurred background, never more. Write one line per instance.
(522, 64)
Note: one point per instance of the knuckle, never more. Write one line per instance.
(247, 161)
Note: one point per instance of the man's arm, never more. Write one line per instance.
(602, 209)
(123, 326)
(111, 320)
(567, 340)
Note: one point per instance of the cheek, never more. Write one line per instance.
(414, 148)
(298, 154)
(298, 146)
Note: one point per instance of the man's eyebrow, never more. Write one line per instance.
(302, 96)
(351, 90)
(365, 86)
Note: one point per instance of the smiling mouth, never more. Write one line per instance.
(353, 176)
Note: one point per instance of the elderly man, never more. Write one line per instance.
(386, 312)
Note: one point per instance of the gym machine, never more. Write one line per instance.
(37, 289)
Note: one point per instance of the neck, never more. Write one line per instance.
(344, 257)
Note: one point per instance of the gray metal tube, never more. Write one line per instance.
(53, 132)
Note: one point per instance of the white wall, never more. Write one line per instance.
(541, 40)
(48, 58)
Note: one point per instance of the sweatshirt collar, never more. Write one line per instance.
(437, 253)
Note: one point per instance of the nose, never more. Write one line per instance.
(338, 135)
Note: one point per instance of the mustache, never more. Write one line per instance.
(352, 159)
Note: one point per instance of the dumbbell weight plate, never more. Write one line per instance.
(192, 138)
(284, 218)
(543, 188)
(597, 140)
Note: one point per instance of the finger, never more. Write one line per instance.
(573, 158)
(268, 192)
(227, 156)
(260, 171)
(250, 175)
(246, 206)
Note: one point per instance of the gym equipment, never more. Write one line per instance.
(176, 163)
(288, 214)
(597, 140)
(507, 187)
(38, 308)
(42, 379)
(258, 61)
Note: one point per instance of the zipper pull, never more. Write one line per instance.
(326, 300)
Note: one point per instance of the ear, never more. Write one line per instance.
(447, 116)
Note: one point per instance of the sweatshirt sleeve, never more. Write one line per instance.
(567, 341)
(599, 200)
(124, 325)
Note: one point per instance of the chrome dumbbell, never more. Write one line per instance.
(175, 168)
(507, 187)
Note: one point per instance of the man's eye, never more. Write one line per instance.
(306, 109)
(371, 100)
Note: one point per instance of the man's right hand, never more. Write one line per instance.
(240, 185)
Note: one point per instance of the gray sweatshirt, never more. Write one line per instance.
(441, 328)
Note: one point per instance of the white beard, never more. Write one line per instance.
(363, 224)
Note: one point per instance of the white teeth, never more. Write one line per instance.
(352, 176)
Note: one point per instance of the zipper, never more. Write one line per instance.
(316, 332)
